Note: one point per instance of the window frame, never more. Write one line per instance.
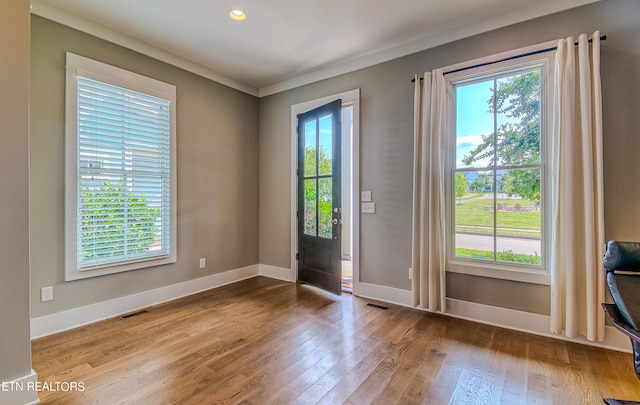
(79, 66)
(537, 274)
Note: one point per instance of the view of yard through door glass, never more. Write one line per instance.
(497, 183)
(318, 183)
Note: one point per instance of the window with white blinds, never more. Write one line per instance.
(122, 204)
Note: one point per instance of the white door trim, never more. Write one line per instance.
(348, 97)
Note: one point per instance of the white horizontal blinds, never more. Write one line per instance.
(123, 176)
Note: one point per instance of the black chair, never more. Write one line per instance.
(622, 266)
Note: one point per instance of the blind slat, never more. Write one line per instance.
(124, 174)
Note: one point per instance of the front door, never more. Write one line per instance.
(319, 227)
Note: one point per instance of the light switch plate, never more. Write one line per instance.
(366, 196)
(368, 208)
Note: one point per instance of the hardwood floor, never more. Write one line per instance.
(262, 341)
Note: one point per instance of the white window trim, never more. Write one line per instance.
(80, 66)
(511, 271)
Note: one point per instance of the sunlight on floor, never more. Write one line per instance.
(347, 276)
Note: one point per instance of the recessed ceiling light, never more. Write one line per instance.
(237, 14)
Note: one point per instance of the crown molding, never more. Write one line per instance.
(335, 69)
(427, 42)
(100, 31)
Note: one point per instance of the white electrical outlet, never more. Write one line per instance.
(203, 262)
(366, 196)
(46, 294)
(368, 208)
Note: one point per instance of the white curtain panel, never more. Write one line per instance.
(430, 148)
(577, 230)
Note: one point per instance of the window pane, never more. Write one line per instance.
(324, 208)
(474, 215)
(518, 119)
(497, 210)
(474, 125)
(310, 148)
(310, 207)
(326, 145)
(519, 217)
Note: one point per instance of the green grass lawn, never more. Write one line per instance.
(472, 216)
(501, 256)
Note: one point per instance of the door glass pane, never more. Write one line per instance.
(474, 125)
(310, 147)
(324, 207)
(310, 207)
(518, 219)
(326, 145)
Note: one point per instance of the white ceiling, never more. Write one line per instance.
(286, 43)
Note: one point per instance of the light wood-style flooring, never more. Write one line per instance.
(263, 341)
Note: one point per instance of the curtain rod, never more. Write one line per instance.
(602, 38)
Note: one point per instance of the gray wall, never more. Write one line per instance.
(217, 159)
(234, 186)
(15, 346)
(386, 149)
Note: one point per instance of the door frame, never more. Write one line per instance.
(349, 97)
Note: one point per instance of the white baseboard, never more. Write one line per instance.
(382, 293)
(279, 273)
(487, 314)
(21, 391)
(528, 322)
(496, 316)
(73, 318)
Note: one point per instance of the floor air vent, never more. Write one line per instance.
(377, 306)
(127, 316)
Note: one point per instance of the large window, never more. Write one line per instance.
(120, 170)
(496, 186)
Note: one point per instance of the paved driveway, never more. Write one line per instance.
(485, 242)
